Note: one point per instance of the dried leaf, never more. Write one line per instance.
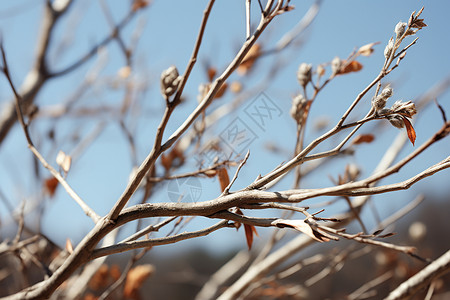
(50, 185)
(224, 179)
(367, 50)
(410, 130)
(64, 161)
(166, 162)
(211, 73)
(249, 231)
(221, 91)
(249, 59)
(353, 66)
(135, 279)
(363, 138)
(300, 225)
(139, 4)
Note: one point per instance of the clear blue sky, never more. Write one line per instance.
(170, 27)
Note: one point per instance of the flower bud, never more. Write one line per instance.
(400, 30)
(407, 109)
(387, 92)
(304, 74)
(169, 81)
(396, 121)
(298, 108)
(389, 48)
(336, 65)
(379, 102)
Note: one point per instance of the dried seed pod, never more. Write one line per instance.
(298, 108)
(396, 121)
(304, 74)
(379, 102)
(336, 65)
(400, 30)
(170, 80)
(389, 48)
(407, 109)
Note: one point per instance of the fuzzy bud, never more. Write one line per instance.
(336, 65)
(396, 121)
(408, 109)
(379, 102)
(400, 30)
(169, 81)
(387, 92)
(298, 108)
(304, 74)
(389, 48)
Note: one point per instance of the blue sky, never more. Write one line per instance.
(100, 174)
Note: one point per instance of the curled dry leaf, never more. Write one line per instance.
(224, 179)
(353, 66)
(310, 230)
(221, 91)
(249, 59)
(64, 161)
(363, 138)
(50, 185)
(139, 4)
(410, 130)
(367, 50)
(250, 230)
(211, 73)
(135, 279)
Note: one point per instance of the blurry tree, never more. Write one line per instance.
(34, 267)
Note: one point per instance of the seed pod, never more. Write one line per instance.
(400, 30)
(336, 65)
(304, 74)
(169, 81)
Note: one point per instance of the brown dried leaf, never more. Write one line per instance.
(249, 59)
(135, 279)
(224, 179)
(367, 50)
(50, 185)
(221, 91)
(363, 138)
(300, 225)
(139, 4)
(249, 231)
(211, 73)
(410, 130)
(166, 161)
(353, 66)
